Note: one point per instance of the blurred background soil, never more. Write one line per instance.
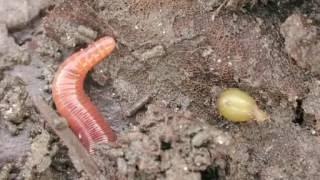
(182, 53)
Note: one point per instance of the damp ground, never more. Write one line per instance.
(179, 55)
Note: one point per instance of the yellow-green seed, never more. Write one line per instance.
(238, 106)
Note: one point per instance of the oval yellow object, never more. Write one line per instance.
(238, 106)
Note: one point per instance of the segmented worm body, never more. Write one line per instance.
(71, 101)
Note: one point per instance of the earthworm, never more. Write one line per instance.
(70, 99)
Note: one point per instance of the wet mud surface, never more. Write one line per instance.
(159, 87)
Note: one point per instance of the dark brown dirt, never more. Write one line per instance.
(182, 56)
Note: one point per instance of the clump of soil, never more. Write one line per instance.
(167, 145)
(11, 53)
(15, 105)
(302, 41)
(16, 14)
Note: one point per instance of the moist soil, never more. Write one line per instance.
(181, 54)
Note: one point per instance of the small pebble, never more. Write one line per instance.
(200, 139)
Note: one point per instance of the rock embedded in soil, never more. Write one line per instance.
(10, 53)
(156, 51)
(239, 4)
(302, 41)
(200, 139)
(209, 5)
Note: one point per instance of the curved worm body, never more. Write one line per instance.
(71, 101)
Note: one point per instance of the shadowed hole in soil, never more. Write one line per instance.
(158, 158)
(165, 145)
(211, 173)
(299, 112)
(278, 9)
(144, 131)
(257, 176)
